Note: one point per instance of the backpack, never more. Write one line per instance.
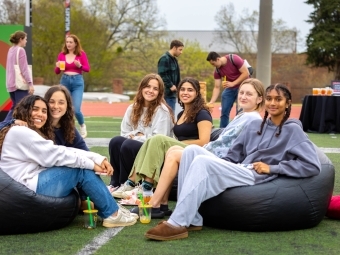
(250, 69)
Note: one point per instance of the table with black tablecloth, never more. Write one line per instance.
(321, 114)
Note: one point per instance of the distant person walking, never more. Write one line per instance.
(233, 73)
(19, 40)
(72, 60)
(168, 69)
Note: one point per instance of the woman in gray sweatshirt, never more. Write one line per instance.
(264, 149)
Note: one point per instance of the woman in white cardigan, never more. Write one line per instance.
(149, 115)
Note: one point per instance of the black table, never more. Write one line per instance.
(321, 114)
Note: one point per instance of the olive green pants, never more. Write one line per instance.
(151, 156)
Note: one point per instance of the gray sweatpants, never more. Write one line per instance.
(201, 176)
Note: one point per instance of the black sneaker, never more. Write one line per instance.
(167, 213)
(155, 213)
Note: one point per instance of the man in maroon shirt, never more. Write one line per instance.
(230, 74)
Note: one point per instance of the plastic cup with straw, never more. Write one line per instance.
(90, 214)
(143, 205)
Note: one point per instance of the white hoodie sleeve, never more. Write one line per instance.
(161, 124)
(27, 145)
(126, 128)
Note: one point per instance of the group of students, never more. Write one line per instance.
(249, 151)
(41, 149)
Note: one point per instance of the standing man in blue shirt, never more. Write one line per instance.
(168, 69)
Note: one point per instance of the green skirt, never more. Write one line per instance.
(150, 158)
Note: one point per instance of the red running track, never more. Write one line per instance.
(104, 109)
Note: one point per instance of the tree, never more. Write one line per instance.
(12, 12)
(127, 21)
(106, 29)
(241, 32)
(323, 41)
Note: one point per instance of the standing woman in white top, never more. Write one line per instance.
(19, 40)
(147, 116)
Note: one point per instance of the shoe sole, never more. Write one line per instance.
(122, 196)
(169, 238)
(135, 216)
(119, 224)
(194, 228)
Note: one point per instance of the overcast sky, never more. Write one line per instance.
(199, 14)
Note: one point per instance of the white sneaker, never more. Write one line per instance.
(83, 131)
(119, 193)
(121, 220)
(126, 211)
(112, 188)
(133, 192)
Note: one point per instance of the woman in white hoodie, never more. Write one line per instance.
(149, 115)
(30, 157)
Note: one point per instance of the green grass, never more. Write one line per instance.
(323, 239)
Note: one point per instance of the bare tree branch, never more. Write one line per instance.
(127, 20)
(241, 32)
(12, 11)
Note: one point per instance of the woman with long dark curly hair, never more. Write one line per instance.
(193, 126)
(147, 116)
(24, 114)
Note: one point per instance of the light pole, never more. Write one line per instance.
(28, 13)
(67, 17)
(264, 49)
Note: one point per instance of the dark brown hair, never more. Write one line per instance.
(23, 111)
(286, 93)
(197, 104)
(67, 120)
(213, 56)
(176, 44)
(138, 105)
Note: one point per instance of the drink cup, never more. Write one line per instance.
(329, 91)
(145, 213)
(323, 91)
(90, 219)
(62, 65)
(316, 91)
(147, 194)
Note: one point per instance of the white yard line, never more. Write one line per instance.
(104, 122)
(99, 241)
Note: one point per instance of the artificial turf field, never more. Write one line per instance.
(323, 239)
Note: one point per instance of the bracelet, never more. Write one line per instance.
(80, 66)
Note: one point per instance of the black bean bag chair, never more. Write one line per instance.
(282, 204)
(23, 211)
(215, 133)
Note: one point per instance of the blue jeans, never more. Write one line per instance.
(171, 101)
(229, 96)
(59, 181)
(15, 96)
(75, 84)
